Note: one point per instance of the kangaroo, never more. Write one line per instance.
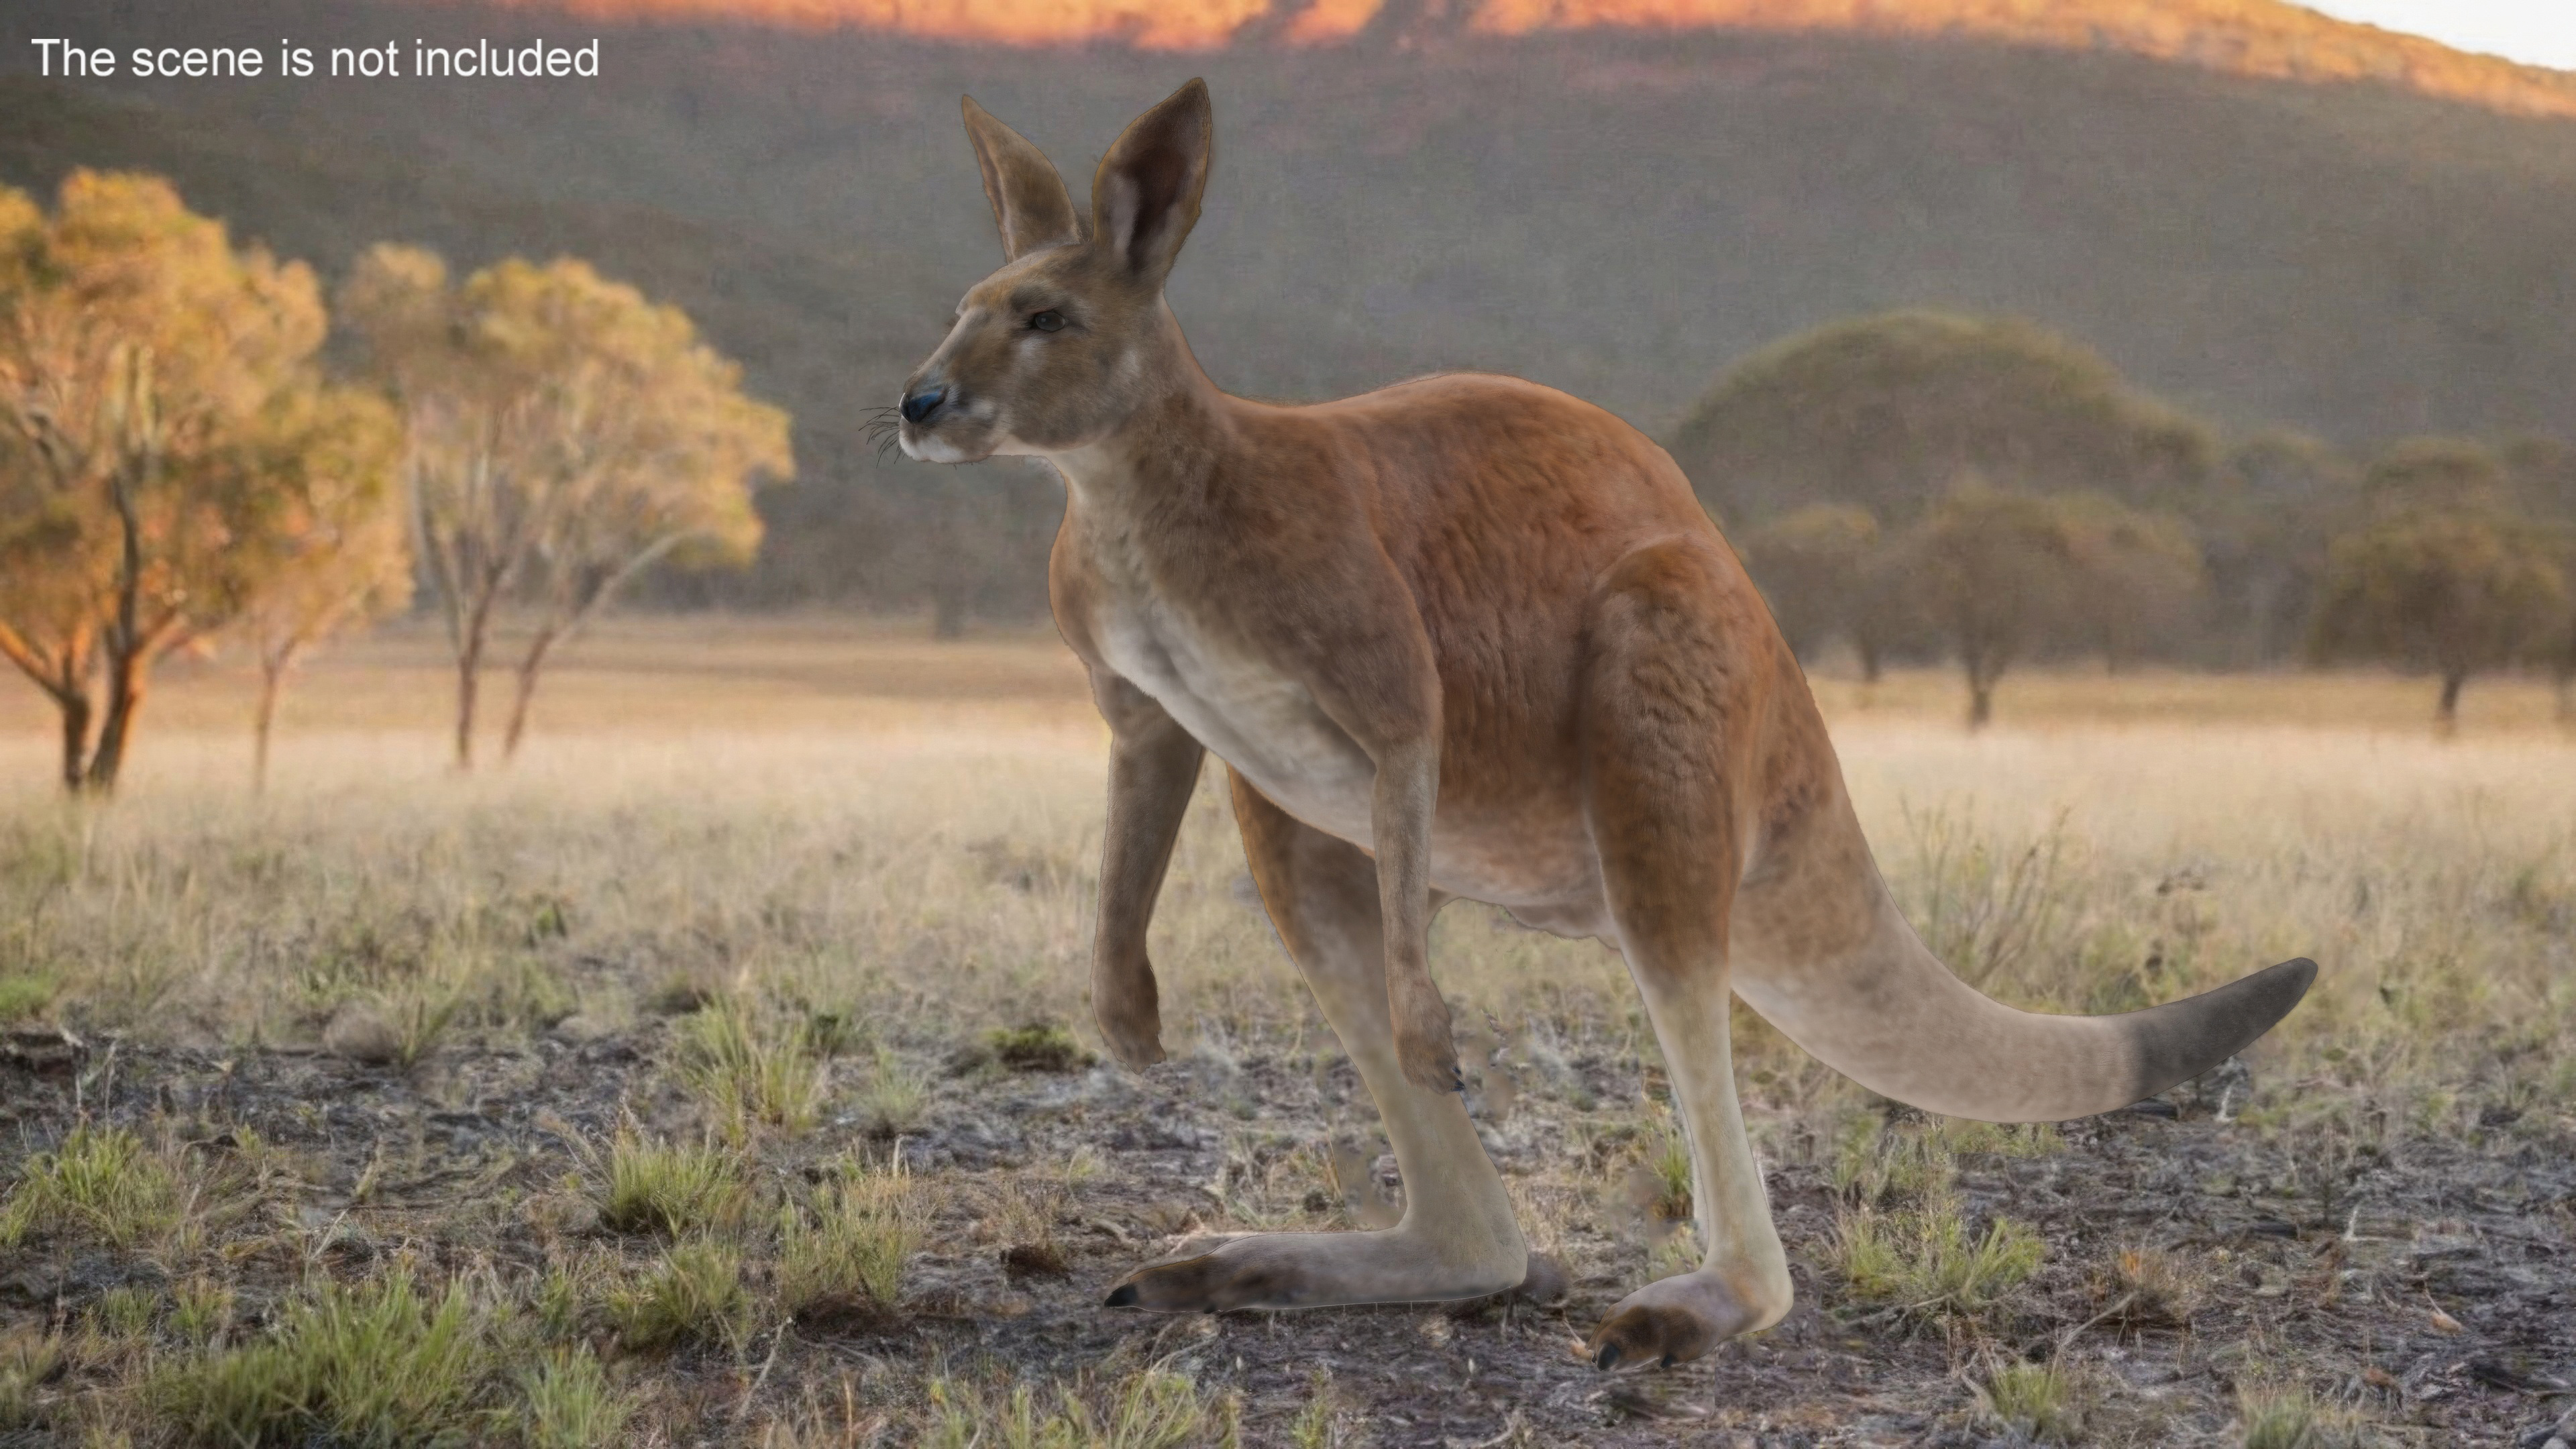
(1464, 636)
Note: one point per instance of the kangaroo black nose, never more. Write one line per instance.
(918, 407)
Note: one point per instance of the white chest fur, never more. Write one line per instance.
(1248, 712)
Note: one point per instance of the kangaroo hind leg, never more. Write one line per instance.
(1671, 690)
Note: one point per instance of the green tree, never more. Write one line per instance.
(338, 555)
(140, 351)
(564, 434)
(2447, 575)
(2140, 573)
(2271, 507)
(1828, 573)
(1997, 574)
(1884, 412)
(2543, 475)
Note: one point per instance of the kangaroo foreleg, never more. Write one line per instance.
(1153, 768)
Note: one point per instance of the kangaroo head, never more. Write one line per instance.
(1067, 340)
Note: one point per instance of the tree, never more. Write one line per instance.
(2448, 575)
(2543, 475)
(563, 435)
(2140, 572)
(339, 556)
(1827, 572)
(1997, 573)
(138, 351)
(1885, 412)
(2270, 509)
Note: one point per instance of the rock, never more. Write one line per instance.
(361, 1034)
(581, 1029)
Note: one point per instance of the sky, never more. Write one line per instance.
(2536, 32)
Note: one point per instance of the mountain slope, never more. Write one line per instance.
(2244, 37)
(1613, 214)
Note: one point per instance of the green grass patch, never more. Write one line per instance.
(844, 1261)
(100, 1184)
(2036, 1401)
(894, 1097)
(567, 1402)
(751, 1070)
(28, 1361)
(2270, 1417)
(695, 1294)
(1152, 1408)
(670, 1188)
(373, 1364)
(1038, 1046)
(24, 995)
(1925, 1260)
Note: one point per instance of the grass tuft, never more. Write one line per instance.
(568, 1403)
(28, 1361)
(1039, 1046)
(670, 1188)
(2287, 1418)
(752, 1070)
(844, 1263)
(103, 1185)
(2034, 1400)
(2158, 1286)
(695, 1294)
(374, 1364)
(24, 995)
(1924, 1260)
(1152, 1408)
(894, 1099)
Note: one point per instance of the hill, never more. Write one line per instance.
(2244, 37)
(1616, 213)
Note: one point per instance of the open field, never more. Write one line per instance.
(720, 1073)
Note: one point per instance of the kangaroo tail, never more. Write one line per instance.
(1891, 1017)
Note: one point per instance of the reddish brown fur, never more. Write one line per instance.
(1461, 636)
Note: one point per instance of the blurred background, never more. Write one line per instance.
(523, 832)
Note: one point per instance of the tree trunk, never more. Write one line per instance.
(1869, 661)
(76, 710)
(1981, 705)
(2446, 715)
(125, 681)
(272, 674)
(469, 680)
(525, 690)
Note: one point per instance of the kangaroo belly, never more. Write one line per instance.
(1526, 852)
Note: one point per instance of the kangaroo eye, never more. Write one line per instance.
(1048, 321)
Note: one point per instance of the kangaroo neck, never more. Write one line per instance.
(1169, 447)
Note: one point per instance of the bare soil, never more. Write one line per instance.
(2427, 1282)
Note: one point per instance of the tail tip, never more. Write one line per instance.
(2294, 977)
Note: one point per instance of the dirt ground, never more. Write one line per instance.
(2431, 1280)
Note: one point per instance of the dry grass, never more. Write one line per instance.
(859, 870)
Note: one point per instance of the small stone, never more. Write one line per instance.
(359, 1034)
(581, 1028)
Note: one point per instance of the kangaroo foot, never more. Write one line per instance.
(1676, 1320)
(1320, 1270)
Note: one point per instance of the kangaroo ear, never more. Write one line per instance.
(1029, 199)
(1146, 196)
